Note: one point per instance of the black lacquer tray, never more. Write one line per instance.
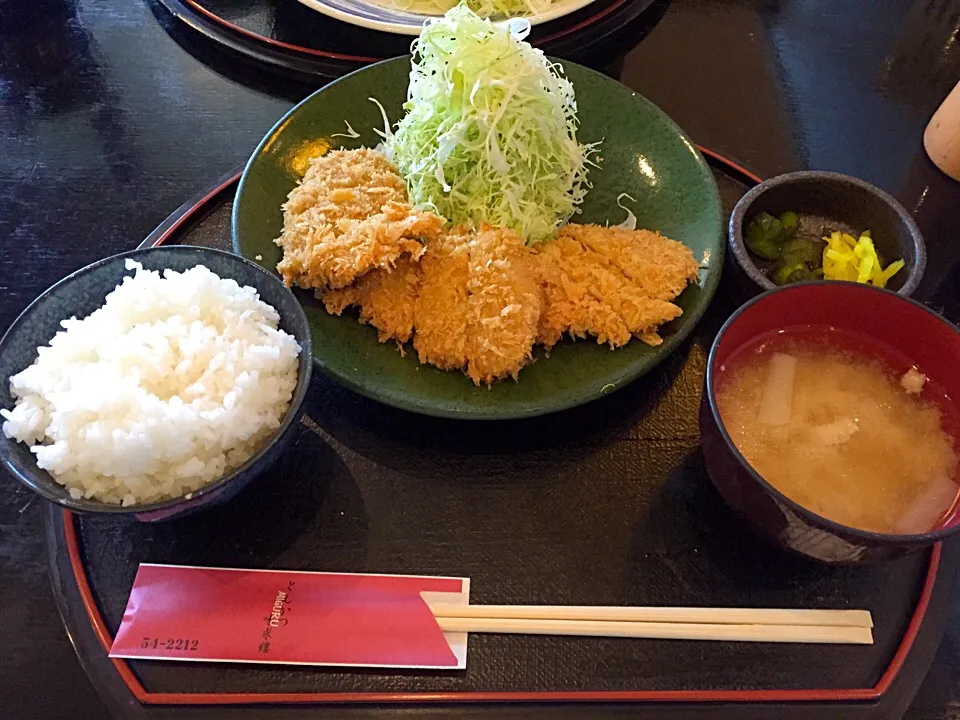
(604, 504)
(286, 36)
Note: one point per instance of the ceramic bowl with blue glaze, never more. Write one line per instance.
(84, 291)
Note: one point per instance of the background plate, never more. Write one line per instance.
(377, 16)
(644, 154)
(291, 39)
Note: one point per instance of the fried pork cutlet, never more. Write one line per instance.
(503, 306)
(587, 293)
(566, 271)
(657, 265)
(477, 303)
(386, 299)
(440, 312)
(349, 215)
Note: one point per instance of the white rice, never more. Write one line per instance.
(171, 384)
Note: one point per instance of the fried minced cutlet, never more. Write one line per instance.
(659, 266)
(503, 305)
(440, 311)
(386, 299)
(586, 293)
(349, 215)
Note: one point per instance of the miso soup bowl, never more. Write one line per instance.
(931, 343)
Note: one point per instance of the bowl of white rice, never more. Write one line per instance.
(153, 383)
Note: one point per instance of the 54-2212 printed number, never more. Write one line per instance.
(170, 644)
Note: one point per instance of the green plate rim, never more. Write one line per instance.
(622, 378)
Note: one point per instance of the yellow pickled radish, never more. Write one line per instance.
(856, 260)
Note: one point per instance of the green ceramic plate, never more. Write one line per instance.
(644, 154)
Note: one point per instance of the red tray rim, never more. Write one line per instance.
(146, 697)
(581, 696)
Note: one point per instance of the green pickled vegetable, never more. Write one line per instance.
(802, 250)
(797, 258)
(790, 221)
(765, 236)
(800, 259)
(786, 274)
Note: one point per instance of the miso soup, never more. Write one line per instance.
(843, 426)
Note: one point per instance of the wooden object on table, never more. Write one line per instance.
(618, 613)
(677, 623)
(942, 136)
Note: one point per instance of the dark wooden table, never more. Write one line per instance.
(107, 125)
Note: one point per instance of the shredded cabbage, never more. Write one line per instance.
(490, 133)
(631, 222)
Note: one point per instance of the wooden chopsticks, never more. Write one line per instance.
(678, 623)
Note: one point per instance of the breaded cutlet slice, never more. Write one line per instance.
(386, 299)
(503, 305)
(473, 299)
(586, 294)
(568, 305)
(349, 215)
(657, 265)
(440, 311)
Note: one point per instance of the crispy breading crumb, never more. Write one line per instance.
(349, 215)
(440, 313)
(472, 303)
(597, 282)
(570, 304)
(386, 299)
(656, 265)
(503, 305)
